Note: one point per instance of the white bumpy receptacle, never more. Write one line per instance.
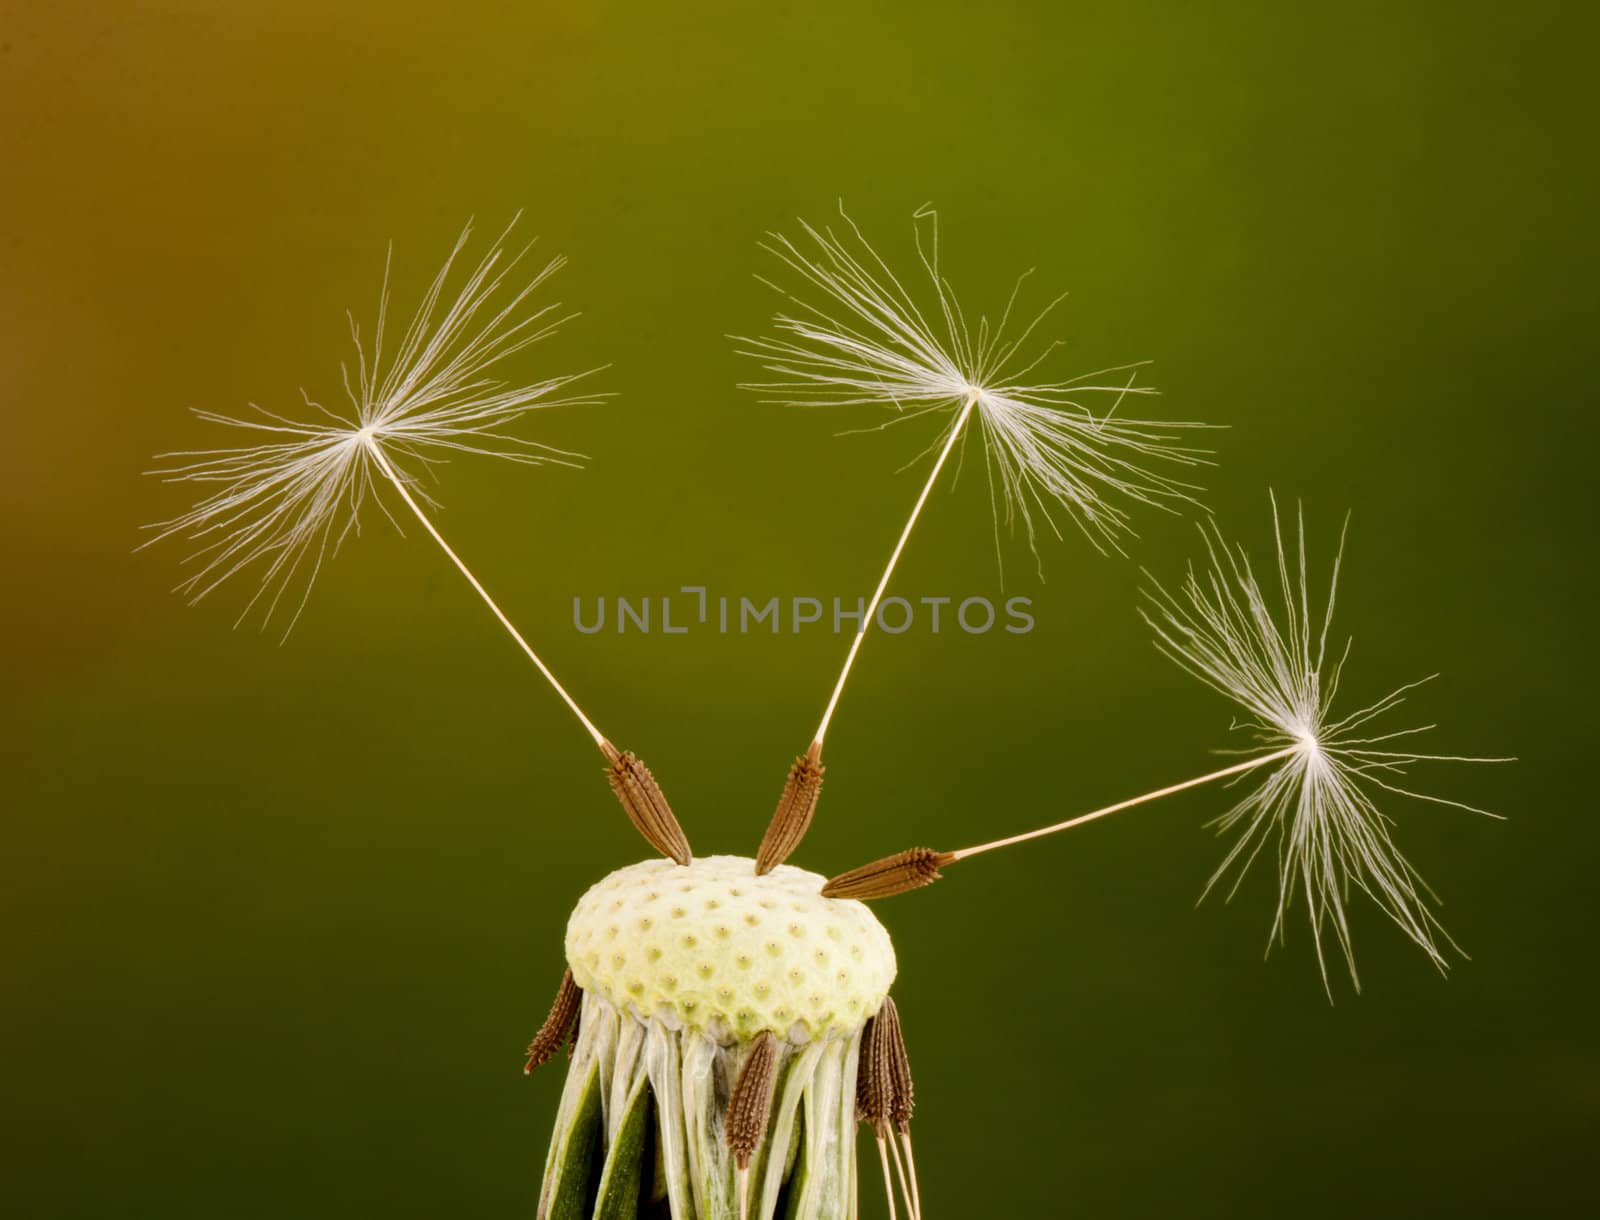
(682, 967)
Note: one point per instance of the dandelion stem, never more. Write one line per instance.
(1237, 769)
(956, 430)
(399, 486)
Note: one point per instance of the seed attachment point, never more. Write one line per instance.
(896, 874)
(645, 804)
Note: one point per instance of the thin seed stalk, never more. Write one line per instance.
(920, 866)
(956, 429)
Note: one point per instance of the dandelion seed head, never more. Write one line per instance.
(853, 334)
(750, 953)
(1318, 808)
(280, 506)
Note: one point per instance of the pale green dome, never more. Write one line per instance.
(710, 945)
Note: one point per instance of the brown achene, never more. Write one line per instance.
(645, 804)
(884, 1100)
(751, 1100)
(792, 818)
(896, 874)
(559, 1028)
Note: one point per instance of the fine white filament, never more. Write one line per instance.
(1317, 807)
(855, 335)
(279, 508)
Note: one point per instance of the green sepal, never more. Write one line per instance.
(621, 1181)
(575, 1157)
(793, 1199)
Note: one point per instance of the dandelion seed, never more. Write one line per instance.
(1318, 803)
(857, 336)
(282, 507)
(1318, 806)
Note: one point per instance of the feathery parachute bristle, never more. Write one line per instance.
(282, 506)
(1318, 806)
(857, 336)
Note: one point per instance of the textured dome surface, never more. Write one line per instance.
(712, 946)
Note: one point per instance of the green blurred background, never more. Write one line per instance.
(277, 921)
